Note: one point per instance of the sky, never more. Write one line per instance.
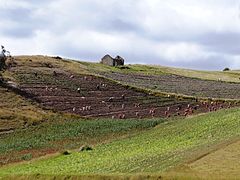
(196, 34)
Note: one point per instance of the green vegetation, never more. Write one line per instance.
(153, 151)
(63, 132)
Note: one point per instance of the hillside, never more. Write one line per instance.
(202, 84)
(139, 119)
(27, 131)
(153, 152)
(53, 85)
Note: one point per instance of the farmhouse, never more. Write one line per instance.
(108, 60)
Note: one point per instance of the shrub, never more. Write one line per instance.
(27, 157)
(57, 57)
(67, 152)
(85, 148)
(122, 67)
(48, 65)
(226, 69)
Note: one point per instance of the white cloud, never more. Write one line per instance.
(187, 32)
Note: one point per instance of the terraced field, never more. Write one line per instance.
(170, 83)
(91, 96)
(55, 87)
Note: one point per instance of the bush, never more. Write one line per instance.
(57, 57)
(122, 67)
(27, 157)
(66, 152)
(85, 148)
(226, 69)
(48, 65)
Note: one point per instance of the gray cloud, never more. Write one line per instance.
(20, 22)
(224, 42)
(193, 34)
(16, 14)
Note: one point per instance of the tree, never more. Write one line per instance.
(226, 69)
(3, 57)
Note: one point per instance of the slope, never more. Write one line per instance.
(203, 84)
(28, 130)
(152, 152)
(54, 85)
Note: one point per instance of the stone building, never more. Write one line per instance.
(108, 60)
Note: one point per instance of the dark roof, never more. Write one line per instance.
(106, 56)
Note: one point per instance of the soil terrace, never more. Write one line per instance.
(91, 96)
(179, 85)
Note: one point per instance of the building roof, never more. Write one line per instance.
(107, 56)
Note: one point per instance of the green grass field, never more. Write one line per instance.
(154, 151)
(63, 132)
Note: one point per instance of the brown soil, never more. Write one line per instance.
(91, 96)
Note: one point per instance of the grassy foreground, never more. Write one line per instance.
(155, 151)
(65, 132)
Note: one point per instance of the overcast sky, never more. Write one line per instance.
(198, 34)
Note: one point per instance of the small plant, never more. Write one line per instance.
(85, 148)
(27, 157)
(48, 65)
(67, 152)
(57, 57)
(122, 67)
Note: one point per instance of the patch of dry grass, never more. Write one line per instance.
(17, 112)
(220, 163)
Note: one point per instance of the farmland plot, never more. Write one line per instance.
(91, 96)
(170, 83)
(154, 151)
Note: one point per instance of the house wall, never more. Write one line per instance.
(108, 61)
(119, 62)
